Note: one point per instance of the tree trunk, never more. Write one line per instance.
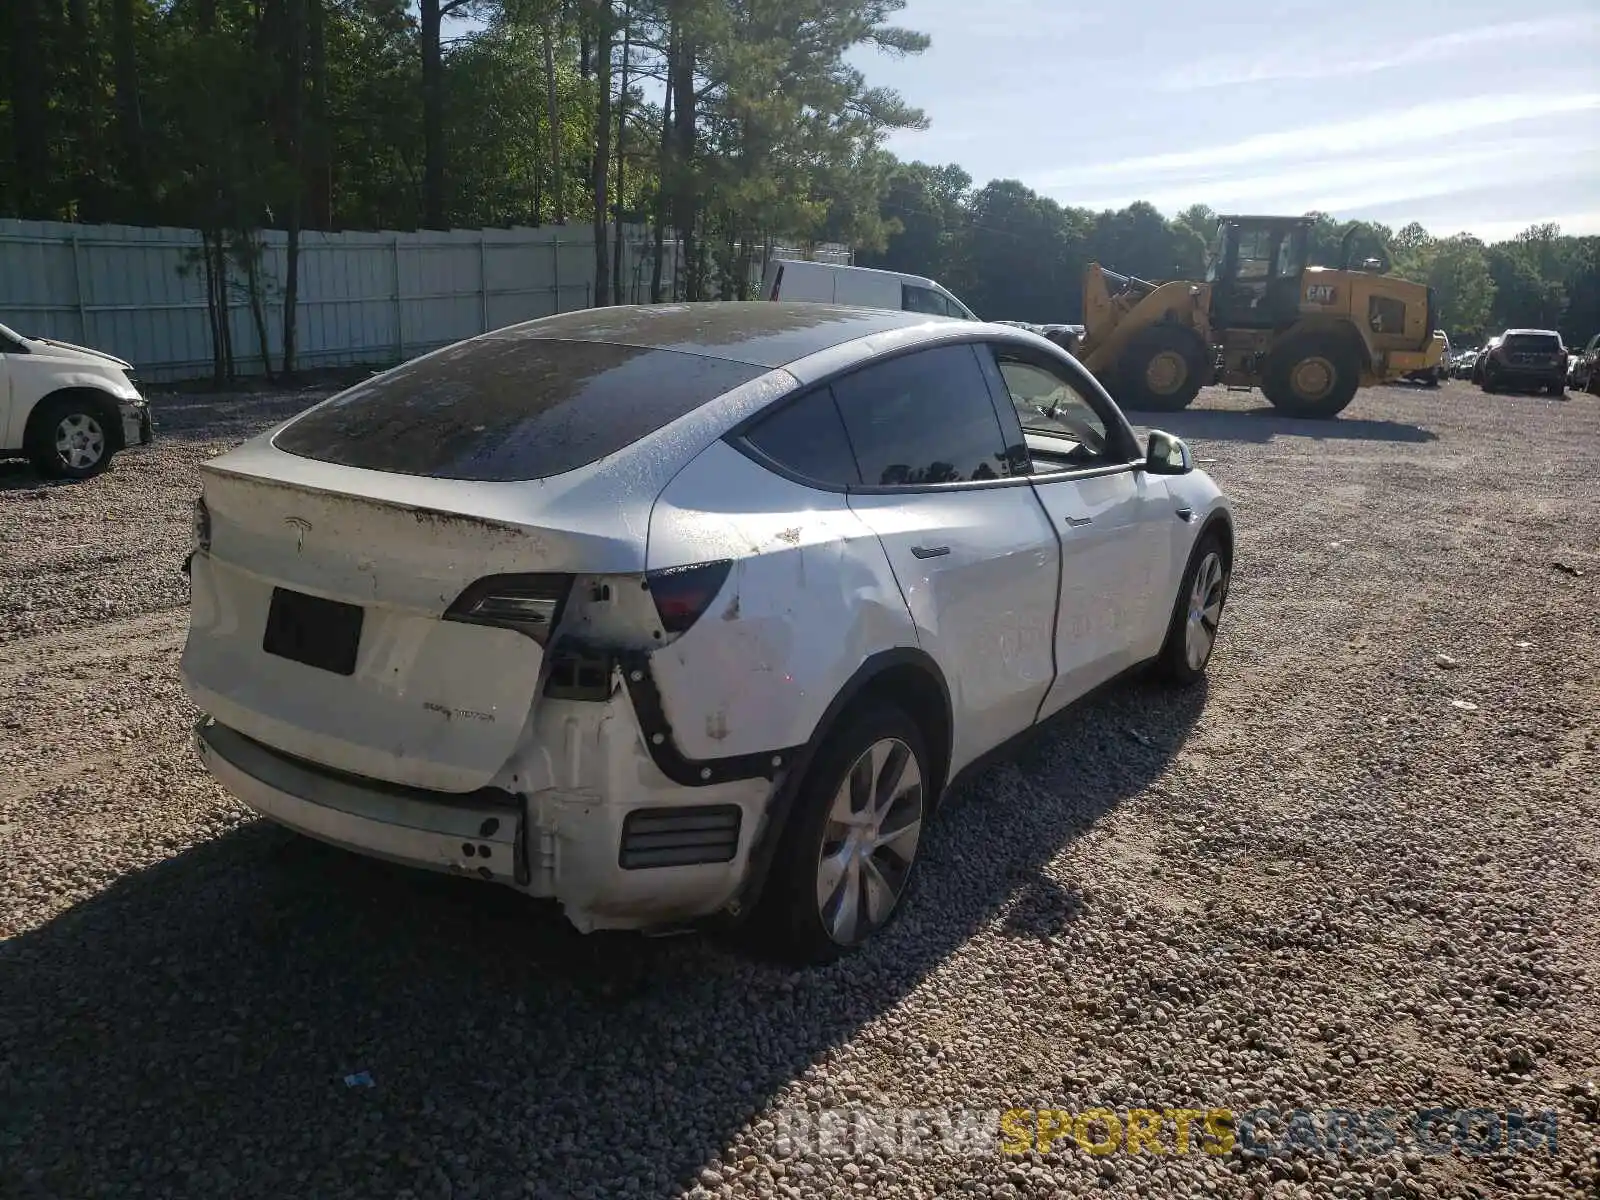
(250, 252)
(685, 202)
(89, 163)
(316, 151)
(553, 103)
(30, 116)
(431, 22)
(619, 249)
(212, 317)
(663, 165)
(130, 117)
(295, 94)
(683, 144)
(600, 167)
(219, 248)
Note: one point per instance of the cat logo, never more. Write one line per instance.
(1321, 293)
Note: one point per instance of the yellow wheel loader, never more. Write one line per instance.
(1308, 337)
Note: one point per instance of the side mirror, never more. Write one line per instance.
(1167, 455)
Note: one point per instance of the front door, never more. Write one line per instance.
(974, 554)
(1114, 522)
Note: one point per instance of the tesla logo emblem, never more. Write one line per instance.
(300, 526)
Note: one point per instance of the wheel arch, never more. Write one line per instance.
(1219, 522)
(104, 402)
(906, 676)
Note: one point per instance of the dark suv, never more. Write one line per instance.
(1527, 359)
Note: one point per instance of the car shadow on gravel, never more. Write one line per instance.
(190, 1029)
(1262, 425)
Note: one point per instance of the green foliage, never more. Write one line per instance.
(1015, 255)
(234, 115)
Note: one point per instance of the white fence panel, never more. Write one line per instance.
(363, 298)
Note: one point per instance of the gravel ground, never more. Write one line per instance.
(1356, 871)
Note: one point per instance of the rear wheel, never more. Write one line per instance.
(846, 857)
(1313, 376)
(69, 437)
(1162, 369)
(1558, 389)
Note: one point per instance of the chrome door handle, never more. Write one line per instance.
(930, 551)
(1079, 522)
(1185, 513)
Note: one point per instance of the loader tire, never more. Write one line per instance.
(1312, 376)
(1162, 369)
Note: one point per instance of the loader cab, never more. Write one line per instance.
(1254, 267)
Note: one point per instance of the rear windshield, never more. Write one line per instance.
(1542, 343)
(500, 410)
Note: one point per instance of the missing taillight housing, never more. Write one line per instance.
(682, 594)
(529, 604)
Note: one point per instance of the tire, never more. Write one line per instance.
(1183, 658)
(1431, 381)
(69, 437)
(796, 920)
(1558, 389)
(1162, 369)
(1299, 363)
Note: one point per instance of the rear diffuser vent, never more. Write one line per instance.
(679, 837)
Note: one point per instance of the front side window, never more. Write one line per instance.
(923, 300)
(1255, 254)
(923, 418)
(1049, 404)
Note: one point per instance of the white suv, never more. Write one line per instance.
(68, 408)
(662, 611)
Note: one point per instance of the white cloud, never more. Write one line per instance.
(1578, 224)
(1379, 132)
(1311, 60)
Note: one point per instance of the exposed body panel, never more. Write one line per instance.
(809, 598)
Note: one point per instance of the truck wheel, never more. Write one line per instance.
(1162, 369)
(69, 437)
(1312, 376)
(847, 853)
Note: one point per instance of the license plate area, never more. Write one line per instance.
(312, 631)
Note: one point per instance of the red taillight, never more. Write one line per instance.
(682, 594)
(529, 604)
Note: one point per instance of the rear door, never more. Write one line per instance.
(969, 544)
(1116, 523)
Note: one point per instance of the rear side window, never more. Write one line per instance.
(923, 418)
(807, 437)
(498, 410)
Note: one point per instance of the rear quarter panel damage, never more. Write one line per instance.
(810, 596)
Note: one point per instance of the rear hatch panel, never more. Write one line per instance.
(386, 688)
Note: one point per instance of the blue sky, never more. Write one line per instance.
(1465, 115)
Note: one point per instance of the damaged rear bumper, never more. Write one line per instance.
(654, 854)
